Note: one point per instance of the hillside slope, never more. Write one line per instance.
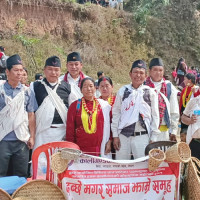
(107, 39)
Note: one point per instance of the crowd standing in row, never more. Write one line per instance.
(57, 108)
(117, 4)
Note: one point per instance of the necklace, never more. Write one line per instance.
(89, 118)
(86, 108)
(110, 99)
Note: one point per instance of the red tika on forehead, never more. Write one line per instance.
(104, 79)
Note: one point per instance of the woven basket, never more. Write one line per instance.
(4, 195)
(192, 182)
(180, 152)
(23, 198)
(70, 154)
(156, 157)
(58, 164)
(39, 190)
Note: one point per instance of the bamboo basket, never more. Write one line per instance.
(70, 154)
(156, 157)
(4, 195)
(192, 180)
(58, 164)
(39, 190)
(23, 198)
(179, 152)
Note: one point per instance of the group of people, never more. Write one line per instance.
(117, 4)
(181, 70)
(57, 108)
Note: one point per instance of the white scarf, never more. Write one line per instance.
(106, 129)
(45, 113)
(131, 107)
(13, 117)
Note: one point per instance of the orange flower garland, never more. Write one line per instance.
(90, 117)
(86, 108)
(110, 99)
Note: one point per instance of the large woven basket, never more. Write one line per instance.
(156, 157)
(179, 152)
(192, 182)
(70, 154)
(39, 190)
(4, 195)
(58, 164)
(23, 198)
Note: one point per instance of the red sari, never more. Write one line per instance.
(88, 143)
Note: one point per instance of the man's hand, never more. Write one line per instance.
(116, 143)
(173, 138)
(31, 142)
(189, 120)
(108, 147)
(193, 119)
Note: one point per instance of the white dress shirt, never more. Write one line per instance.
(116, 111)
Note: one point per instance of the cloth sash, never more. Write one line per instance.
(82, 76)
(192, 128)
(167, 110)
(45, 115)
(106, 108)
(131, 107)
(13, 117)
(164, 104)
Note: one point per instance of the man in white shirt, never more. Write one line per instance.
(113, 4)
(17, 120)
(74, 75)
(135, 115)
(191, 117)
(120, 4)
(52, 96)
(167, 99)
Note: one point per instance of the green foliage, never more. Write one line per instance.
(20, 25)
(116, 22)
(198, 6)
(146, 8)
(28, 43)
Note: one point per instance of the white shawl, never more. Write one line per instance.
(132, 107)
(106, 129)
(45, 115)
(13, 116)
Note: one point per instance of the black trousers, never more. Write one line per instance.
(18, 153)
(195, 148)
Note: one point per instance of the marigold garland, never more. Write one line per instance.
(89, 118)
(110, 99)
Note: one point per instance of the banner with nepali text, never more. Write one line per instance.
(95, 178)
